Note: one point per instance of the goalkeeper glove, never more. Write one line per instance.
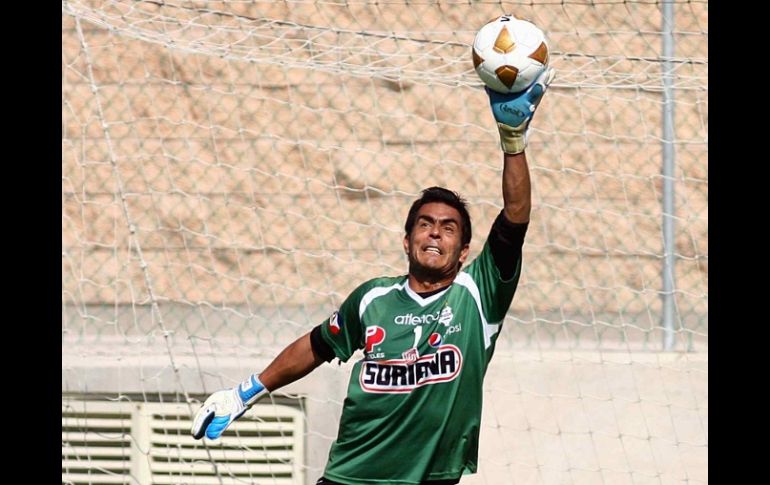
(514, 111)
(224, 407)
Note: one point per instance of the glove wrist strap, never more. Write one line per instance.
(512, 140)
(251, 390)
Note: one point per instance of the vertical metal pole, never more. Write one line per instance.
(669, 245)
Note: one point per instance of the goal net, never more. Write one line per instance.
(232, 170)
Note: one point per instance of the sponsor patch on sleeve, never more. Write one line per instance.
(335, 323)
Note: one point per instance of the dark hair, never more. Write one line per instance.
(445, 196)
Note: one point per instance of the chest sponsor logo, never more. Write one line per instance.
(396, 376)
(443, 316)
(411, 355)
(374, 336)
(434, 340)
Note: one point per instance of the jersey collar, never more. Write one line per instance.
(420, 300)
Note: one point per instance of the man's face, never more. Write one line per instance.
(435, 246)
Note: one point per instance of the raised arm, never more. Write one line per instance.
(513, 113)
(517, 191)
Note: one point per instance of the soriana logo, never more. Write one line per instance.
(394, 376)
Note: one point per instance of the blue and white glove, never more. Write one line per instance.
(514, 111)
(224, 407)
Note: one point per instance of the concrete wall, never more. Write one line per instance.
(550, 417)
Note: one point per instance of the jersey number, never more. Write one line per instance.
(417, 335)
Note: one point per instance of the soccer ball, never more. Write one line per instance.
(509, 54)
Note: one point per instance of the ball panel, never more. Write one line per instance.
(507, 74)
(477, 59)
(540, 54)
(504, 43)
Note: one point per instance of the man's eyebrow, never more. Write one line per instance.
(445, 220)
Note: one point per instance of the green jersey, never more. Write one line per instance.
(413, 408)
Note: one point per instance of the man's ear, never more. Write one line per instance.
(464, 253)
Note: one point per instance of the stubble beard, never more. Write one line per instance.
(426, 273)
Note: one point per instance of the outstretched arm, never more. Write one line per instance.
(293, 363)
(223, 407)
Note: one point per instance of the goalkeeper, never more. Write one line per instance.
(413, 408)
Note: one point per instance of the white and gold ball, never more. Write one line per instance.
(509, 54)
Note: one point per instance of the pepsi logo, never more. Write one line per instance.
(434, 340)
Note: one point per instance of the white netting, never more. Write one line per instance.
(231, 170)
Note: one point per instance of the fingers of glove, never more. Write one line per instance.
(217, 405)
(534, 93)
(546, 77)
(202, 419)
(538, 88)
(220, 423)
(218, 426)
(550, 73)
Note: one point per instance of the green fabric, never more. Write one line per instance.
(406, 420)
